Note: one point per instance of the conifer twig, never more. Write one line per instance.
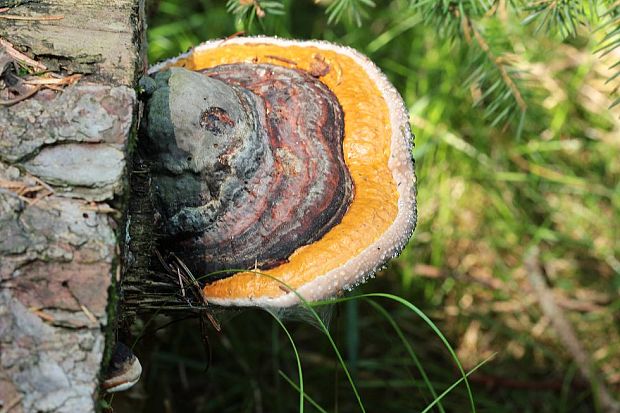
(566, 333)
(20, 57)
(501, 67)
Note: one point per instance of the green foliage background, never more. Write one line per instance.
(517, 146)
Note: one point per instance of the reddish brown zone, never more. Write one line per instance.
(303, 193)
(319, 67)
(213, 117)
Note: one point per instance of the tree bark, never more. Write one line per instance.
(63, 161)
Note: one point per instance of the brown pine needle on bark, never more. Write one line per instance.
(11, 102)
(20, 57)
(54, 81)
(30, 18)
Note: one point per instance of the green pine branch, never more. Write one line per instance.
(248, 11)
(479, 27)
(472, 24)
(611, 41)
(560, 16)
(354, 10)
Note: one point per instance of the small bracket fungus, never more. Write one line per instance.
(124, 370)
(291, 158)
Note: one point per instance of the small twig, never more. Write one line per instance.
(29, 189)
(101, 209)
(3, 9)
(282, 59)
(30, 18)
(42, 314)
(162, 261)
(19, 56)
(200, 292)
(501, 67)
(566, 333)
(43, 184)
(21, 189)
(67, 80)
(232, 36)
(191, 276)
(469, 29)
(89, 314)
(54, 88)
(214, 322)
(18, 99)
(39, 198)
(181, 282)
(236, 34)
(11, 185)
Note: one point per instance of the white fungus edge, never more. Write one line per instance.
(126, 380)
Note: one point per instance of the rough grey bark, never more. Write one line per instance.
(59, 254)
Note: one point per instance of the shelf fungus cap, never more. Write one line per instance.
(124, 370)
(287, 158)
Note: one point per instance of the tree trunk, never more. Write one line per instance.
(62, 182)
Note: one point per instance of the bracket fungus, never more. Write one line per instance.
(123, 371)
(292, 158)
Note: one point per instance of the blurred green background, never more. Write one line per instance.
(516, 154)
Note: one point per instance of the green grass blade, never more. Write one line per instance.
(333, 344)
(437, 332)
(297, 359)
(456, 383)
(296, 387)
(410, 306)
(425, 318)
(315, 315)
(402, 337)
